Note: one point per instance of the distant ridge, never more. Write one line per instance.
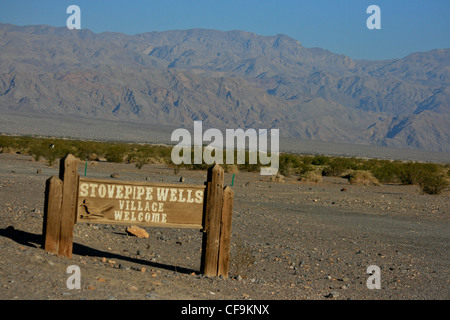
(228, 80)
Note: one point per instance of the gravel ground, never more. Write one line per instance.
(290, 240)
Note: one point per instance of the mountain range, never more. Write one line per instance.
(227, 79)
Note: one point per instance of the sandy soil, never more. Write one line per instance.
(291, 240)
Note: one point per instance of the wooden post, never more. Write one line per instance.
(225, 233)
(52, 214)
(213, 216)
(68, 172)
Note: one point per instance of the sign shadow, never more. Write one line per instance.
(36, 241)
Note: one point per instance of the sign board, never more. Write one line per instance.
(70, 199)
(117, 202)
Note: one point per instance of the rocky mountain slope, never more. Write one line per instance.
(228, 80)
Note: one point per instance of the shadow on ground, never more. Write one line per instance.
(36, 241)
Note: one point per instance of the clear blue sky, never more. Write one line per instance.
(337, 25)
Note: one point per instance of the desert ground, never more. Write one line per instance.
(291, 240)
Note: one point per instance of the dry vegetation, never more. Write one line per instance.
(431, 177)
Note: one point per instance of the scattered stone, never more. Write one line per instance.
(344, 189)
(333, 294)
(151, 295)
(115, 175)
(39, 171)
(136, 231)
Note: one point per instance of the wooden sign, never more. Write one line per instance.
(104, 201)
(70, 199)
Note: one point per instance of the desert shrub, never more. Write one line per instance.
(362, 177)
(320, 160)
(231, 168)
(413, 173)
(338, 166)
(303, 168)
(433, 183)
(116, 153)
(385, 171)
(50, 156)
(429, 177)
(84, 149)
(288, 164)
(277, 178)
(311, 176)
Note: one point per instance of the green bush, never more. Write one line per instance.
(433, 183)
(116, 153)
(288, 164)
(386, 171)
(337, 166)
(320, 160)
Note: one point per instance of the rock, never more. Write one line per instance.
(115, 175)
(151, 295)
(333, 294)
(344, 189)
(39, 171)
(182, 179)
(138, 232)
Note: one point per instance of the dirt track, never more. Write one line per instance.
(291, 240)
